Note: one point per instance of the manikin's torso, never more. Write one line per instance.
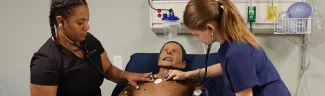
(163, 88)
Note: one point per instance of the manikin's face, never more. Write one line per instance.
(171, 57)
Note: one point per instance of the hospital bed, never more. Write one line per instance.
(148, 62)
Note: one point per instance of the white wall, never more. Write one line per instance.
(25, 28)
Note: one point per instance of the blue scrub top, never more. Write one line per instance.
(244, 67)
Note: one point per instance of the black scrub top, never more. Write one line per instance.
(74, 76)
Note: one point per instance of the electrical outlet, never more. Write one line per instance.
(118, 62)
(251, 14)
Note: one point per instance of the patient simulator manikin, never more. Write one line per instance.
(171, 57)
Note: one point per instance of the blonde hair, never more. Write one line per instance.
(198, 13)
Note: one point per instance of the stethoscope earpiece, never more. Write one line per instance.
(212, 37)
(60, 25)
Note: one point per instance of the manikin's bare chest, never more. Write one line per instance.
(164, 88)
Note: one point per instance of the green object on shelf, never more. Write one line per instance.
(251, 16)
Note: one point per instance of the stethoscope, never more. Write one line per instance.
(85, 51)
(207, 58)
(198, 92)
(208, 51)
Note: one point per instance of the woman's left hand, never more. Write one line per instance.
(133, 78)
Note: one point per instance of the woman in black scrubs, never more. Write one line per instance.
(73, 62)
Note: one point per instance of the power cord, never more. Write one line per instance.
(304, 67)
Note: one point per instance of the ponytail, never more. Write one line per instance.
(198, 13)
(52, 27)
(233, 25)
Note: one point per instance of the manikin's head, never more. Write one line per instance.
(172, 55)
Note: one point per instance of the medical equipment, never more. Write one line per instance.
(296, 20)
(207, 58)
(159, 80)
(262, 25)
(206, 64)
(197, 92)
(170, 22)
(300, 18)
(290, 21)
(272, 11)
(299, 10)
(251, 16)
(286, 25)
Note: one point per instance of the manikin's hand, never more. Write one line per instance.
(177, 75)
(133, 78)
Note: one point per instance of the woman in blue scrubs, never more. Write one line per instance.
(246, 69)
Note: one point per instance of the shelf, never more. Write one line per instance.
(258, 28)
